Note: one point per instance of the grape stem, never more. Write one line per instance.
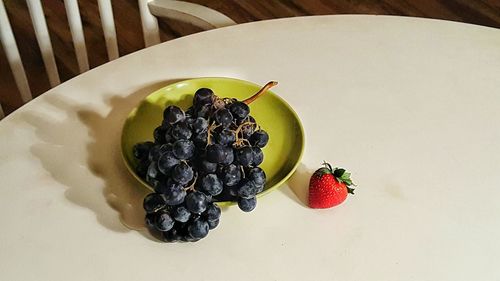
(263, 90)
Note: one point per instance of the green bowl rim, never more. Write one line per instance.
(220, 203)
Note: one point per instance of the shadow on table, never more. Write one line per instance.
(111, 184)
(299, 185)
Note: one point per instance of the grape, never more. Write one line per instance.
(206, 167)
(154, 202)
(153, 172)
(247, 189)
(213, 224)
(259, 138)
(213, 212)
(244, 156)
(198, 229)
(181, 131)
(239, 110)
(173, 192)
(258, 156)
(216, 153)
(210, 185)
(203, 96)
(231, 175)
(159, 135)
(182, 173)
(200, 125)
(167, 161)
(173, 114)
(223, 117)
(181, 214)
(183, 149)
(257, 176)
(196, 202)
(164, 222)
(204, 111)
(247, 204)
(172, 235)
(154, 153)
(141, 150)
(200, 140)
(225, 137)
(209, 152)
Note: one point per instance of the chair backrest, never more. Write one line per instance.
(195, 14)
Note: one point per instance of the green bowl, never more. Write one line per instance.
(286, 134)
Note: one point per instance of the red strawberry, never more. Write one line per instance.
(329, 187)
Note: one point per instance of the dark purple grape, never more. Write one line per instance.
(173, 235)
(216, 153)
(173, 114)
(154, 202)
(167, 161)
(196, 202)
(163, 221)
(159, 134)
(206, 167)
(244, 156)
(259, 138)
(200, 139)
(247, 204)
(141, 150)
(181, 131)
(225, 137)
(229, 155)
(153, 172)
(204, 111)
(231, 175)
(198, 229)
(258, 156)
(173, 192)
(239, 110)
(181, 214)
(183, 149)
(247, 189)
(210, 184)
(154, 153)
(213, 212)
(257, 175)
(213, 224)
(203, 96)
(199, 125)
(223, 117)
(182, 173)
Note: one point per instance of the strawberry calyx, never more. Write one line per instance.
(340, 174)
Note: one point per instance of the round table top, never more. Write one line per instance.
(410, 106)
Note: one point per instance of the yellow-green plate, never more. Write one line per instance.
(286, 135)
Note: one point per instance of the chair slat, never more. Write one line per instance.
(198, 15)
(108, 27)
(12, 53)
(75, 26)
(43, 38)
(150, 28)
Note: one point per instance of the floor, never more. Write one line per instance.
(128, 28)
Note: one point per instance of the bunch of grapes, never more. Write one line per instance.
(209, 153)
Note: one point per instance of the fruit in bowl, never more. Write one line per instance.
(210, 152)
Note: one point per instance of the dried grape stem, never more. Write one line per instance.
(263, 90)
(191, 187)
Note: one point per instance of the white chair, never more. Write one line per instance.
(195, 14)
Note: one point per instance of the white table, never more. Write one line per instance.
(410, 106)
